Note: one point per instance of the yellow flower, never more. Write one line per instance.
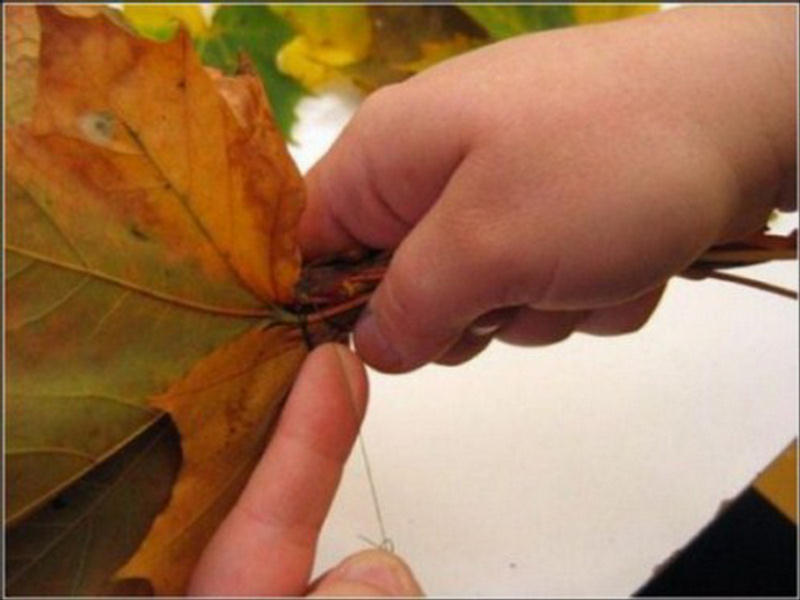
(597, 13)
(160, 21)
(328, 37)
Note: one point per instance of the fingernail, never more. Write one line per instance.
(380, 570)
(483, 330)
(491, 322)
(374, 345)
(350, 368)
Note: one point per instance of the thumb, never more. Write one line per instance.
(371, 573)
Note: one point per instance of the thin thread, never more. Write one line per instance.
(386, 542)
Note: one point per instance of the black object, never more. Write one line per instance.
(750, 549)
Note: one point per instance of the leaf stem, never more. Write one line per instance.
(747, 256)
(746, 281)
(332, 311)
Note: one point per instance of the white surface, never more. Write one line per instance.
(320, 120)
(572, 469)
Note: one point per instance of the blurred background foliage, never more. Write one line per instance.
(300, 49)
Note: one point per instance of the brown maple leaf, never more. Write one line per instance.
(151, 211)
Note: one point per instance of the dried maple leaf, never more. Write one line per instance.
(72, 546)
(220, 441)
(151, 208)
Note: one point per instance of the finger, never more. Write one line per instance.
(468, 346)
(462, 260)
(266, 544)
(371, 573)
(381, 175)
(493, 321)
(623, 318)
(477, 337)
(532, 327)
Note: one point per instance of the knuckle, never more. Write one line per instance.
(414, 315)
(400, 310)
(619, 320)
(540, 328)
(507, 267)
(375, 112)
(635, 321)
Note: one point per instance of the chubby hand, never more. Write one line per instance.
(266, 545)
(554, 182)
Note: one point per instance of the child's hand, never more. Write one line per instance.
(554, 182)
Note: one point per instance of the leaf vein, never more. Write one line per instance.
(183, 198)
(67, 239)
(78, 577)
(156, 295)
(12, 274)
(26, 450)
(52, 308)
(90, 396)
(107, 314)
(89, 509)
(16, 517)
(260, 360)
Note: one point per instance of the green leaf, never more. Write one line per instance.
(74, 544)
(502, 22)
(259, 33)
